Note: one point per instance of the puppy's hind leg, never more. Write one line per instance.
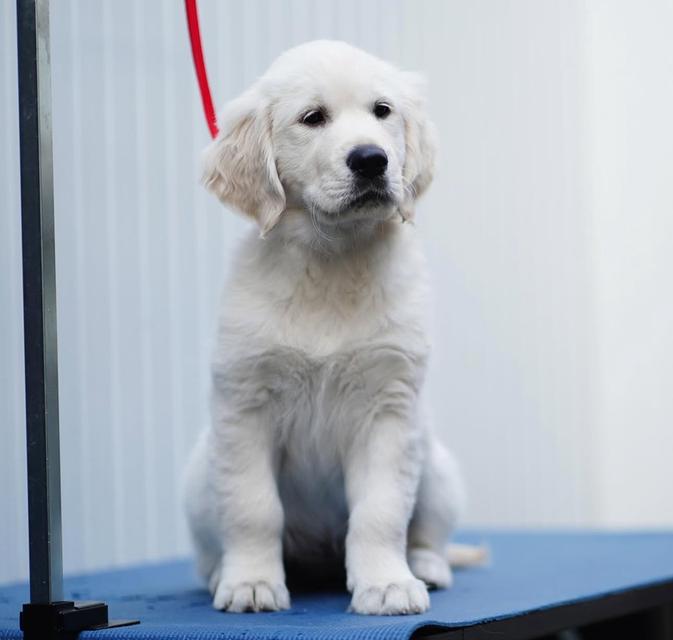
(439, 503)
(201, 516)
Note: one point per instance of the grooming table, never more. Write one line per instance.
(535, 584)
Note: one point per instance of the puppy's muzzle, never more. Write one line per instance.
(367, 161)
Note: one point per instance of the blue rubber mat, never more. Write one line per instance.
(528, 572)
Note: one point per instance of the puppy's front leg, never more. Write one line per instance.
(251, 576)
(382, 473)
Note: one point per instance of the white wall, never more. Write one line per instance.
(629, 90)
(547, 231)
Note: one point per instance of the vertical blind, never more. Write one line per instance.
(142, 251)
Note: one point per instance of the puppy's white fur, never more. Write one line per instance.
(319, 448)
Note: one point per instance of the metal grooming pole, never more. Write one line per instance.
(39, 303)
(47, 616)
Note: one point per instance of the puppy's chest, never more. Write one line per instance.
(316, 399)
(320, 344)
(321, 314)
(312, 399)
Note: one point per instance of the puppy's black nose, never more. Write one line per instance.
(368, 161)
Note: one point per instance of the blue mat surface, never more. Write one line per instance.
(528, 572)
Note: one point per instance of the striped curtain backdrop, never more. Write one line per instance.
(142, 251)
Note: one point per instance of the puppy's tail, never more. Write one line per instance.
(467, 555)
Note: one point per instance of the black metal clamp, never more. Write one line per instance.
(64, 619)
(48, 616)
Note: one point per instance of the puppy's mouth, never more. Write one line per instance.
(360, 203)
(369, 198)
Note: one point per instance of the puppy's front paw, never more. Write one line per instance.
(251, 596)
(430, 567)
(396, 598)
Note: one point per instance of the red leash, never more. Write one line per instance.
(200, 66)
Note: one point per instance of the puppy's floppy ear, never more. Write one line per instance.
(420, 143)
(239, 165)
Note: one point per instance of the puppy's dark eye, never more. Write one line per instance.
(314, 118)
(382, 110)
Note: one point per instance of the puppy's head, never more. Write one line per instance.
(329, 131)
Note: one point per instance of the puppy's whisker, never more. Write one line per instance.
(409, 187)
(321, 234)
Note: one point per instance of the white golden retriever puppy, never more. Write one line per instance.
(319, 449)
